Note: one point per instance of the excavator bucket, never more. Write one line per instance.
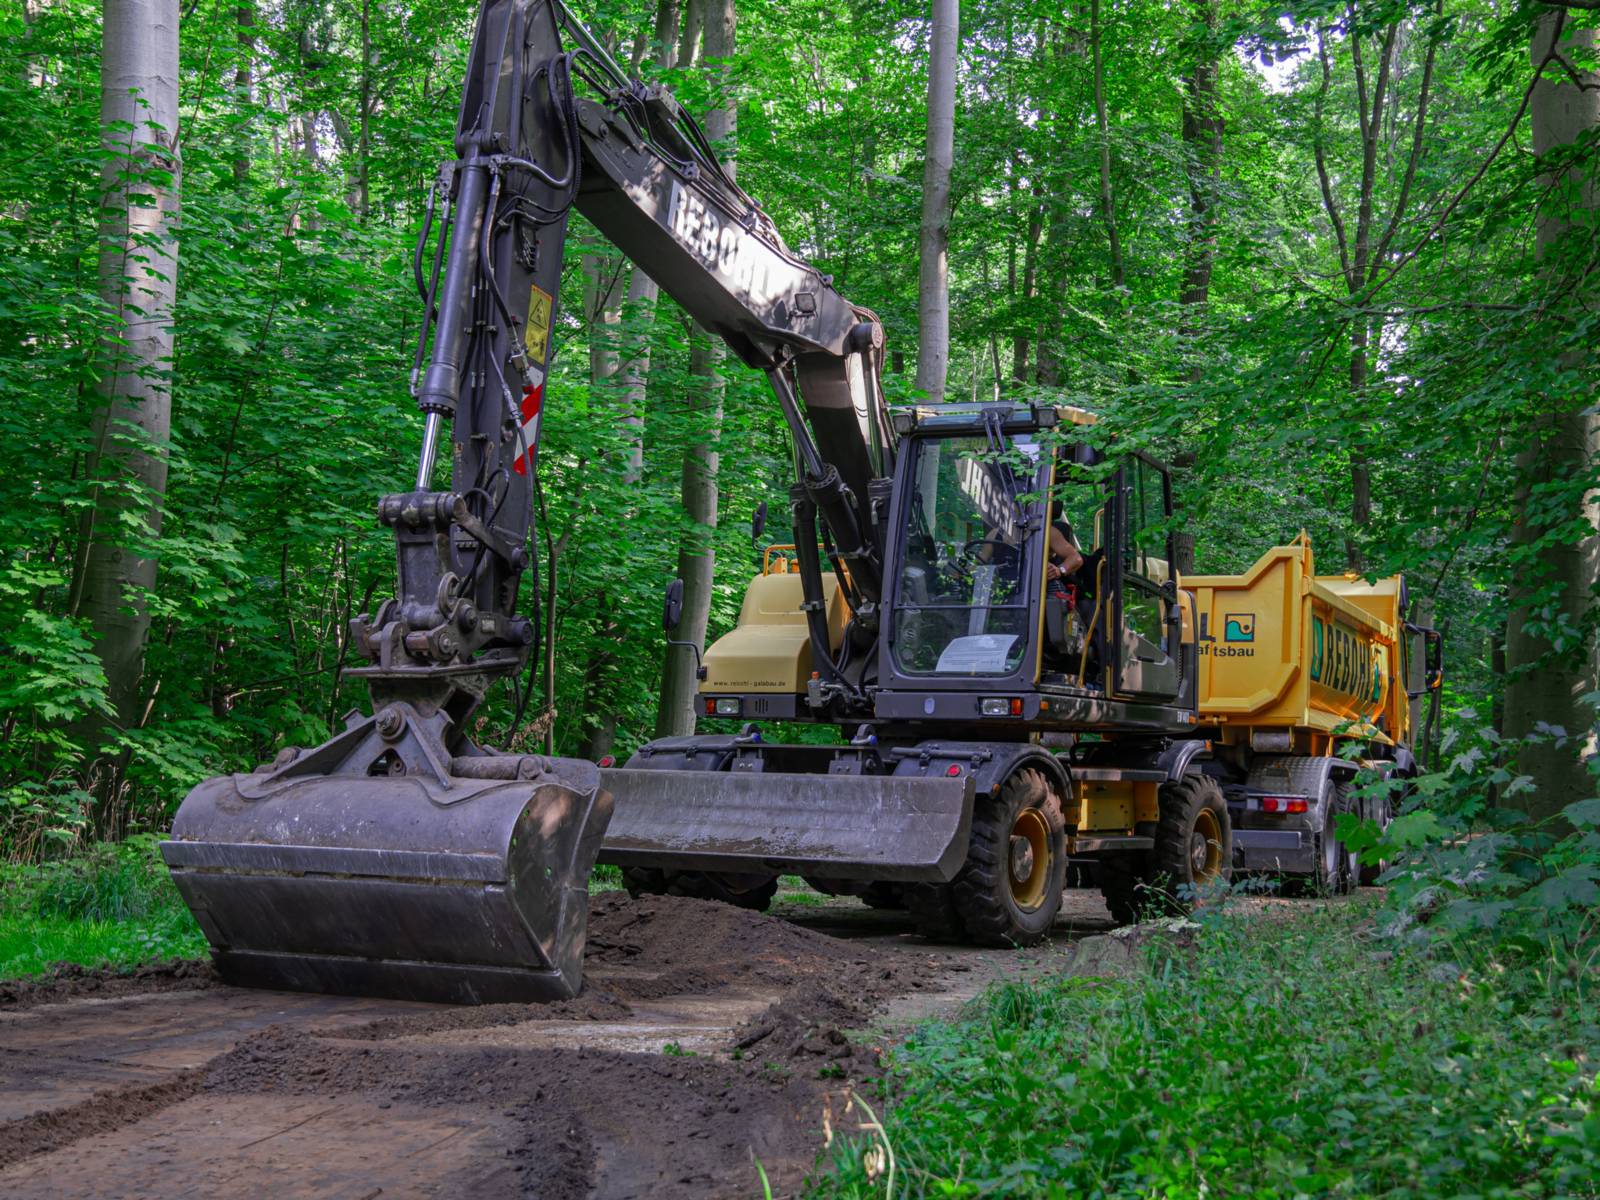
(469, 886)
(893, 828)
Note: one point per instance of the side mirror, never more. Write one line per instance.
(758, 522)
(672, 611)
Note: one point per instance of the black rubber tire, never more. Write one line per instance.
(644, 881)
(1349, 865)
(699, 885)
(933, 911)
(1194, 843)
(887, 896)
(1123, 879)
(1368, 876)
(1323, 879)
(986, 892)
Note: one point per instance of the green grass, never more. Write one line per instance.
(1277, 1058)
(115, 906)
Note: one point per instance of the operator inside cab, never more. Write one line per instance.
(1069, 592)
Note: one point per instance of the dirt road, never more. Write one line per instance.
(706, 1040)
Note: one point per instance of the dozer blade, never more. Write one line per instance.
(472, 893)
(828, 826)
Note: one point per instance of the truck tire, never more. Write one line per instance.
(887, 896)
(1368, 876)
(933, 911)
(1009, 891)
(742, 891)
(1124, 881)
(1349, 865)
(1194, 842)
(1328, 871)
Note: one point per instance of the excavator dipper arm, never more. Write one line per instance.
(401, 857)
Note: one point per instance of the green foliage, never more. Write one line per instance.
(305, 166)
(1466, 864)
(114, 906)
(1272, 1058)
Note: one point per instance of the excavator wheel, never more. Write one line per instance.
(933, 911)
(1194, 842)
(887, 896)
(644, 881)
(1009, 891)
(754, 892)
(1124, 885)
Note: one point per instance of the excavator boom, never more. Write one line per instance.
(402, 857)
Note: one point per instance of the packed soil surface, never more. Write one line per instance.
(710, 1045)
(707, 1040)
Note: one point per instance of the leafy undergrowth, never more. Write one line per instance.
(1297, 1057)
(115, 906)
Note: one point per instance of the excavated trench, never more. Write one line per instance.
(707, 1040)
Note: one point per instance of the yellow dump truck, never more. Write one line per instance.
(1034, 683)
(1300, 678)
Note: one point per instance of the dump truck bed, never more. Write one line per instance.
(1288, 658)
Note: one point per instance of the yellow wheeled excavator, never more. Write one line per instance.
(1007, 704)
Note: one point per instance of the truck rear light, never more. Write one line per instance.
(1001, 706)
(728, 706)
(1284, 804)
(608, 760)
(711, 707)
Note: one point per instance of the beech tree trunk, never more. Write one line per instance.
(1108, 200)
(697, 553)
(1202, 143)
(127, 468)
(933, 285)
(600, 677)
(1550, 649)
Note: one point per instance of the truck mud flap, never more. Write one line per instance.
(829, 826)
(472, 894)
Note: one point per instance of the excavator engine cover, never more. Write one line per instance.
(363, 868)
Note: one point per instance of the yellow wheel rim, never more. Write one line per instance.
(1205, 848)
(1028, 866)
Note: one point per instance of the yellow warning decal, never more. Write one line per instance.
(541, 305)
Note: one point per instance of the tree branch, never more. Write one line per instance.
(1404, 199)
(1328, 201)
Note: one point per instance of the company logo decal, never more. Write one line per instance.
(723, 246)
(1343, 660)
(1238, 636)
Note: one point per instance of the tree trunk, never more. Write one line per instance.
(243, 84)
(1202, 143)
(1108, 201)
(600, 727)
(138, 276)
(1550, 644)
(676, 713)
(933, 286)
(363, 191)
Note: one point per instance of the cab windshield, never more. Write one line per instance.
(962, 601)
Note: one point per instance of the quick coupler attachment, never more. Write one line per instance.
(467, 884)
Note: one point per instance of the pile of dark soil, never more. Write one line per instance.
(662, 946)
(71, 982)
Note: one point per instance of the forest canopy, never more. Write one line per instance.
(1335, 263)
